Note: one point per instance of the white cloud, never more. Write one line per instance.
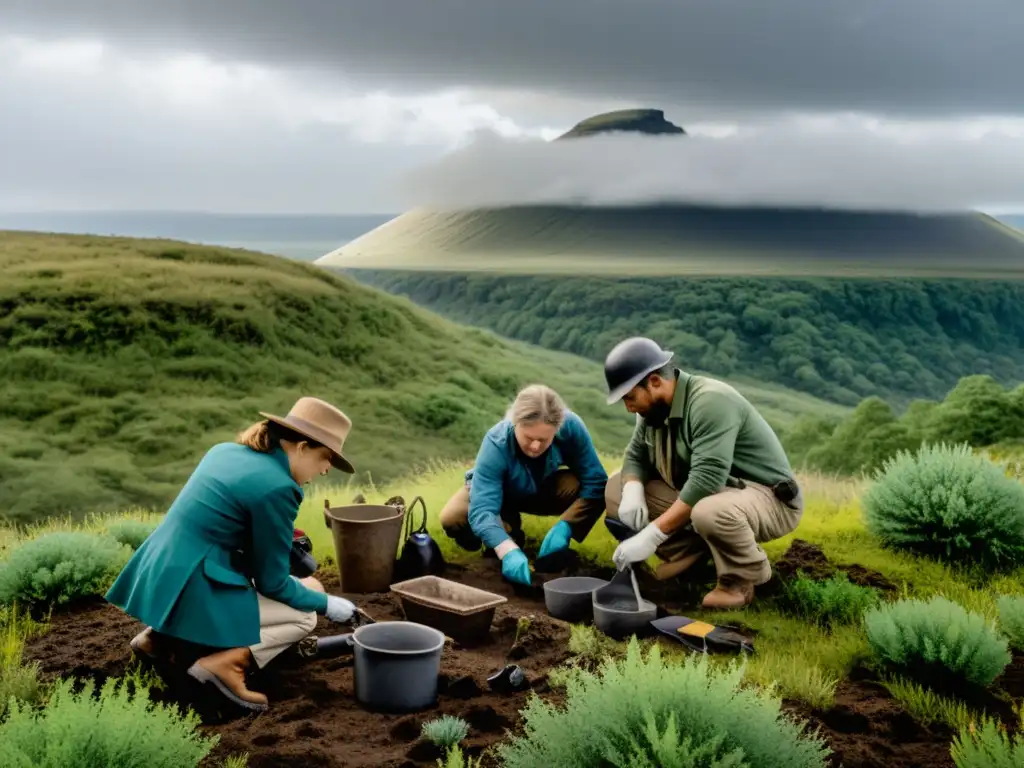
(844, 161)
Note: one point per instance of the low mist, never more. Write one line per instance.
(845, 169)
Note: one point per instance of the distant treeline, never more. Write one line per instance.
(978, 411)
(839, 339)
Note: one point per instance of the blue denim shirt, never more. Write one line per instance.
(502, 470)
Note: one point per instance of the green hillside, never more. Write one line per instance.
(122, 360)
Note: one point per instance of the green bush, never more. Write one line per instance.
(56, 568)
(1011, 619)
(947, 503)
(986, 747)
(831, 602)
(445, 731)
(131, 532)
(641, 712)
(114, 729)
(936, 639)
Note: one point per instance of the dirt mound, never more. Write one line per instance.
(869, 729)
(803, 556)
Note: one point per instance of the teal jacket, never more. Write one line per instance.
(503, 473)
(187, 579)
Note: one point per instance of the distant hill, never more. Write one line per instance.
(842, 304)
(1014, 220)
(123, 360)
(649, 121)
(688, 240)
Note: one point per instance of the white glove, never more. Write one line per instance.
(640, 547)
(339, 609)
(633, 507)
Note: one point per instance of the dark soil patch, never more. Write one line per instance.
(867, 728)
(314, 719)
(803, 556)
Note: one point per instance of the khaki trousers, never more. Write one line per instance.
(728, 525)
(281, 626)
(559, 495)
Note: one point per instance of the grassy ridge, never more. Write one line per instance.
(123, 360)
(688, 240)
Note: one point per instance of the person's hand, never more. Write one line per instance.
(633, 508)
(339, 609)
(515, 567)
(639, 547)
(556, 540)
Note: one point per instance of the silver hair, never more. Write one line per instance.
(537, 403)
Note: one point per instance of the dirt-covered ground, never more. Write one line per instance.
(314, 719)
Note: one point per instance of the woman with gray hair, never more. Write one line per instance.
(539, 459)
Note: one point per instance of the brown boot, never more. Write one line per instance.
(226, 670)
(731, 593)
(144, 645)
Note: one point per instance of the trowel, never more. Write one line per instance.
(510, 678)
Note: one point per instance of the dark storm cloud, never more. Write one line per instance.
(898, 57)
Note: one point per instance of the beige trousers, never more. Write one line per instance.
(281, 626)
(558, 496)
(728, 525)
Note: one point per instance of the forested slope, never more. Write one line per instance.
(835, 338)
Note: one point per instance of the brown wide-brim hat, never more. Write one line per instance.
(322, 422)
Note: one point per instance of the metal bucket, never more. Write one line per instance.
(366, 538)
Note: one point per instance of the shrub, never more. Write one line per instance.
(130, 532)
(1011, 619)
(947, 503)
(17, 679)
(936, 639)
(831, 602)
(58, 567)
(641, 712)
(110, 730)
(445, 731)
(986, 747)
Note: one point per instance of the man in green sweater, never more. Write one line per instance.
(703, 474)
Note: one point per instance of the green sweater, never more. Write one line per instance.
(712, 433)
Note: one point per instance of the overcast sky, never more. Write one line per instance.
(327, 105)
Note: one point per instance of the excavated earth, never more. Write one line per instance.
(314, 719)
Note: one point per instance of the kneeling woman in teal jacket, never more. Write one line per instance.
(214, 580)
(541, 460)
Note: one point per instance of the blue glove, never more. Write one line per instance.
(515, 567)
(557, 539)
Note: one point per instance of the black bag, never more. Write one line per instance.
(301, 558)
(421, 556)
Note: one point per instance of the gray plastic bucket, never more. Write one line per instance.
(570, 598)
(397, 664)
(616, 610)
